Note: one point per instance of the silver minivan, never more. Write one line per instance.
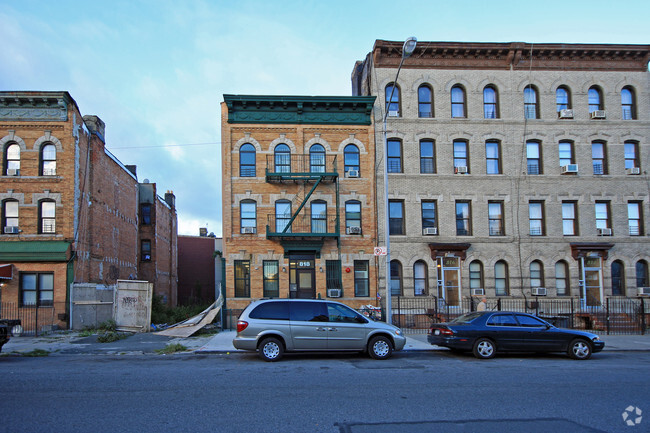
(273, 326)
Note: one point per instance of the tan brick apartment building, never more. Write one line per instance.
(71, 212)
(299, 215)
(513, 166)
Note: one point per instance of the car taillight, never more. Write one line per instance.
(241, 325)
(446, 332)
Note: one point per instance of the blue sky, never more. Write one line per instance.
(155, 70)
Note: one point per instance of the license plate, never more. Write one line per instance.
(437, 332)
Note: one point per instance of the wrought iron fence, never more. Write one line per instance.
(34, 320)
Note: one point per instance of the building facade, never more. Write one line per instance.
(199, 268)
(513, 169)
(299, 216)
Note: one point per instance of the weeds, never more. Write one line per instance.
(172, 348)
(161, 313)
(35, 353)
(111, 336)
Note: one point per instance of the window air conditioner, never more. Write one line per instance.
(598, 114)
(430, 231)
(393, 113)
(644, 291)
(460, 170)
(11, 230)
(538, 291)
(605, 232)
(478, 292)
(633, 170)
(13, 172)
(565, 114)
(352, 173)
(353, 230)
(333, 293)
(569, 168)
(248, 230)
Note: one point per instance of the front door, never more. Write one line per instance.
(302, 276)
(593, 282)
(450, 269)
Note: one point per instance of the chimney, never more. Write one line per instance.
(170, 198)
(96, 126)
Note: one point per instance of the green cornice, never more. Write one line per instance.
(34, 251)
(317, 110)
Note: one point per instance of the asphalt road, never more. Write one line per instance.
(412, 392)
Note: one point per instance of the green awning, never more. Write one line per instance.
(34, 251)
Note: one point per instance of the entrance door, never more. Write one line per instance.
(593, 281)
(450, 268)
(302, 276)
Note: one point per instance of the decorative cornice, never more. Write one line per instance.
(34, 106)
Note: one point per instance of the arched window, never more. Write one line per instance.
(10, 217)
(392, 102)
(628, 103)
(562, 99)
(642, 274)
(12, 160)
(458, 108)
(395, 278)
(351, 158)
(425, 101)
(490, 102)
(47, 216)
(248, 216)
(536, 274)
(476, 275)
(420, 278)
(318, 216)
(618, 278)
(48, 160)
(562, 278)
(501, 279)
(531, 103)
(394, 159)
(282, 216)
(317, 159)
(247, 160)
(282, 158)
(595, 96)
(353, 217)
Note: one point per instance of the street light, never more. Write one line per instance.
(407, 50)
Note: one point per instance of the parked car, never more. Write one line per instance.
(7, 329)
(275, 326)
(487, 332)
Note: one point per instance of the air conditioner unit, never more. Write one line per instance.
(430, 231)
(13, 172)
(478, 292)
(460, 170)
(598, 114)
(248, 230)
(565, 114)
(352, 173)
(353, 230)
(605, 232)
(11, 230)
(333, 293)
(644, 291)
(538, 291)
(393, 113)
(569, 168)
(633, 170)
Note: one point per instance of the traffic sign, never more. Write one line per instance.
(381, 251)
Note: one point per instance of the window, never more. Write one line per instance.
(9, 215)
(47, 216)
(529, 321)
(394, 156)
(352, 214)
(392, 103)
(634, 218)
(642, 274)
(12, 159)
(562, 278)
(48, 160)
(536, 218)
(36, 289)
(429, 215)
(569, 218)
(361, 278)
(248, 213)
(463, 219)
(595, 97)
(490, 107)
(420, 279)
(145, 250)
(282, 216)
(427, 157)
(562, 98)
(618, 278)
(247, 160)
(628, 103)
(425, 101)
(534, 157)
(395, 278)
(271, 279)
(396, 217)
(566, 153)
(282, 158)
(502, 320)
(271, 311)
(242, 279)
(501, 284)
(308, 312)
(492, 157)
(333, 275)
(476, 275)
(536, 274)
(318, 217)
(531, 105)
(602, 215)
(145, 214)
(351, 158)
(458, 108)
(631, 154)
(461, 155)
(317, 159)
(495, 218)
(598, 157)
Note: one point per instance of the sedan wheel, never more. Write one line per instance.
(380, 347)
(579, 349)
(271, 349)
(484, 348)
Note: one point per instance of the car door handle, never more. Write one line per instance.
(333, 329)
(321, 329)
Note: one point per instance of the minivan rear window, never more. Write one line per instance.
(271, 311)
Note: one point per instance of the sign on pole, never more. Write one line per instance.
(381, 251)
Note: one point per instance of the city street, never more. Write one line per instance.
(416, 391)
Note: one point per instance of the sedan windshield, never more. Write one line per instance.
(466, 318)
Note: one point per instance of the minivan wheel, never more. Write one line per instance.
(380, 347)
(579, 349)
(484, 348)
(271, 349)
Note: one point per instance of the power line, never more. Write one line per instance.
(168, 145)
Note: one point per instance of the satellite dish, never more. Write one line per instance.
(146, 181)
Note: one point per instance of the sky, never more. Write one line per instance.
(155, 71)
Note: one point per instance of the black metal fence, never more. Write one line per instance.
(34, 320)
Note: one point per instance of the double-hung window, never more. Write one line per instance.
(495, 218)
(463, 218)
(271, 279)
(602, 215)
(247, 160)
(628, 103)
(461, 156)
(458, 108)
(634, 218)
(394, 159)
(598, 159)
(12, 159)
(427, 157)
(429, 219)
(569, 218)
(47, 216)
(248, 212)
(353, 216)
(566, 153)
(48, 160)
(534, 157)
(492, 157)
(9, 216)
(36, 289)
(490, 108)
(536, 218)
(396, 217)
(631, 150)
(361, 278)
(425, 101)
(531, 104)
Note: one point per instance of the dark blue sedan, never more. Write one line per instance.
(487, 332)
